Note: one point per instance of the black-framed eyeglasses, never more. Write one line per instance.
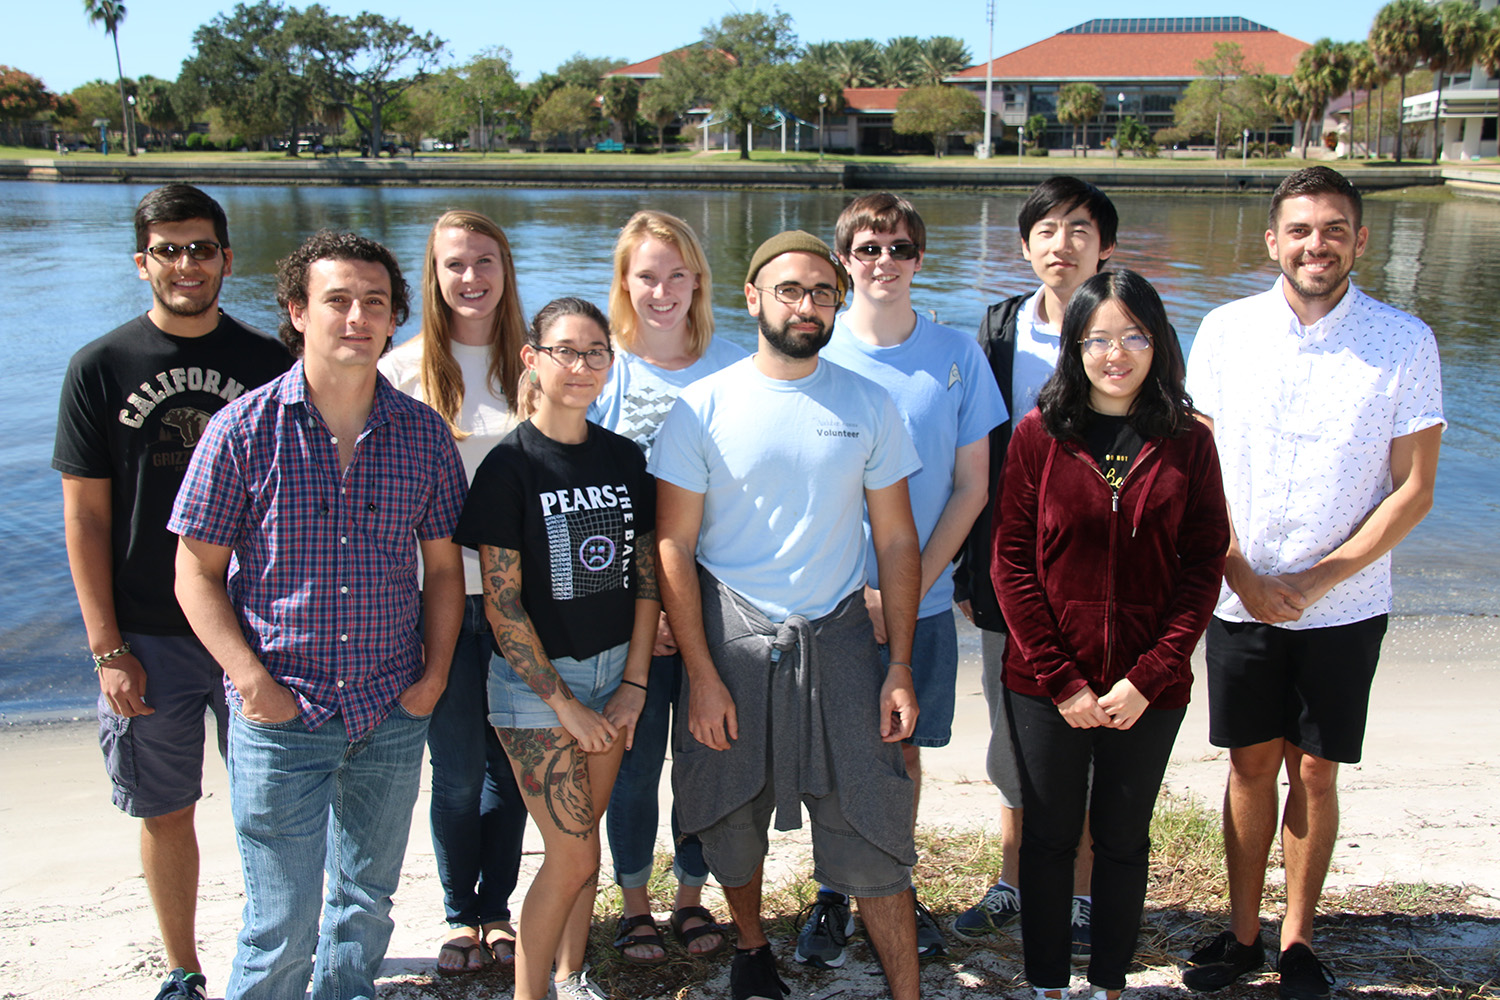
(870, 252)
(199, 250)
(597, 358)
(1097, 347)
(789, 293)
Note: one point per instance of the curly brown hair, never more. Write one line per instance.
(327, 244)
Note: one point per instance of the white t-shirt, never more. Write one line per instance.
(947, 397)
(1037, 345)
(783, 467)
(485, 414)
(638, 395)
(1303, 419)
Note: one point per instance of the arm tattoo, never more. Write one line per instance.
(554, 769)
(646, 588)
(514, 633)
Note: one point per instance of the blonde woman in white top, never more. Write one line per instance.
(466, 364)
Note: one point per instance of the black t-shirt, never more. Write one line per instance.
(575, 513)
(134, 403)
(1114, 444)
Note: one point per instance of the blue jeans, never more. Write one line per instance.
(478, 817)
(308, 804)
(632, 816)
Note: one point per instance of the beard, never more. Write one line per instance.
(188, 306)
(794, 345)
(1326, 285)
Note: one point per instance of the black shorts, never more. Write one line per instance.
(1310, 687)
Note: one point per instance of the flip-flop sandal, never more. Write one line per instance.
(691, 934)
(625, 939)
(505, 938)
(466, 952)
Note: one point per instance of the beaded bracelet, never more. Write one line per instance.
(100, 662)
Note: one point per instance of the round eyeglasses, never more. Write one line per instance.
(597, 358)
(170, 253)
(1097, 347)
(870, 252)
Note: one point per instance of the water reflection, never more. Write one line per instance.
(66, 277)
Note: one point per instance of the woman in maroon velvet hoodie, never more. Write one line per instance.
(1109, 550)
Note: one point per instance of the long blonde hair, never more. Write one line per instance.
(674, 231)
(442, 379)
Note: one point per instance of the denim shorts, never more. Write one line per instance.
(513, 705)
(155, 762)
(934, 674)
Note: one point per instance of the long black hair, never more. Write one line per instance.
(1163, 407)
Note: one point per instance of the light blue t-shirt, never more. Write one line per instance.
(638, 395)
(947, 398)
(783, 466)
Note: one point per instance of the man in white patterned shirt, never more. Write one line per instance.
(1327, 410)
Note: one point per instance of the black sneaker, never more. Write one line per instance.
(183, 985)
(1221, 961)
(1083, 938)
(753, 975)
(1303, 977)
(930, 943)
(824, 936)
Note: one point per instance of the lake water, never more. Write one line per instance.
(66, 277)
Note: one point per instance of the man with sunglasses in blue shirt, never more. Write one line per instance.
(134, 404)
(949, 403)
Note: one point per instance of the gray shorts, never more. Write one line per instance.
(155, 762)
(1000, 762)
(735, 846)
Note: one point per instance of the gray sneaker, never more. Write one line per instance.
(1000, 905)
(822, 940)
(577, 987)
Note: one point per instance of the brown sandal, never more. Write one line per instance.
(709, 926)
(466, 952)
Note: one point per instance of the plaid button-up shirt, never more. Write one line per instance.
(324, 572)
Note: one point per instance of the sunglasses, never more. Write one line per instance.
(870, 252)
(170, 253)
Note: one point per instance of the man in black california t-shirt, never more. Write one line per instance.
(134, 403)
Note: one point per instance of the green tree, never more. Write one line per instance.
(853, 63)
(622, 103)
(587, 71)
(1134, 136)
(753, 80)
(367, 61)
(938, 111)
(1364, 74)
(89, 102)
(110, 13)
(1036, 129)
(254, 63)
(1076, 104)
(157, 106)
(900, 62)
(1224, 100)
(569, 111)
(940, 57)
(1459, 37)
(1489, 51)
(1321, 74)
(1402, 33)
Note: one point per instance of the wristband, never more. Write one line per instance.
(898, 663)
(633, 684)
(100, 662)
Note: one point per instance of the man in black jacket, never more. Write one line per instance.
(1067, 233)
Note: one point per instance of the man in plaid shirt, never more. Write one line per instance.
(300, 520)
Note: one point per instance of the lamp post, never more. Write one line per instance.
(1119, 120)
(1244, 146)
(822, 106)
(483, 144)
(989, 81)
(1020, 143)
(130, 126)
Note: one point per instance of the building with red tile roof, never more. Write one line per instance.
(1142, 64)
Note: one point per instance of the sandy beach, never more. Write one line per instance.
(75, 920)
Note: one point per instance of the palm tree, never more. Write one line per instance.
(1459, 36)
(1365, 74)
(898, 61)
(1076, 104)
(1489, 53)
(110, 13)
(941, 56)
(1401, 35)
(1322, 73)
(854, 63)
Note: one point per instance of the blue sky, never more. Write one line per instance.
(52, 38)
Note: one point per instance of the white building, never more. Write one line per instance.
(1468, 114)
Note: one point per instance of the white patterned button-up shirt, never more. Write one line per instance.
(1304, 418)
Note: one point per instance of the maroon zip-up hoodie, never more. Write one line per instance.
(1097, 584)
